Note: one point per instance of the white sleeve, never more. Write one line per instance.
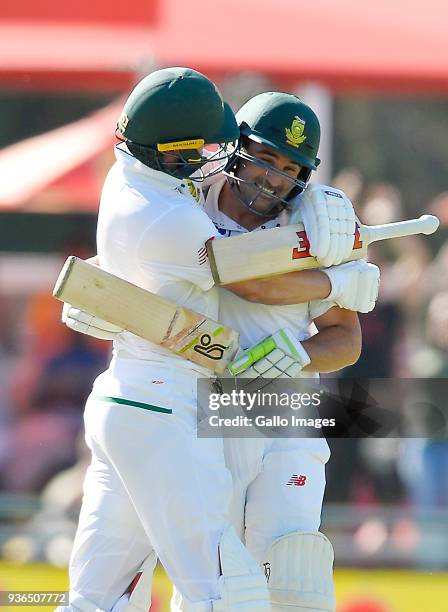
(320, 307)
(174, 247)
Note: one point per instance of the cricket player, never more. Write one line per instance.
(152, 487)
(276, 515)
(266, 187)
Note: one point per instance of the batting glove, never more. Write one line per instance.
(85, 323)
(278, 356)
(329, 220)
(354, 285)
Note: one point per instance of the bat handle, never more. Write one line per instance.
(429, 224)
(426, 224)
(251, 355)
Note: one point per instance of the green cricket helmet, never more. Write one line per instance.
(170, 116)
(286, 124)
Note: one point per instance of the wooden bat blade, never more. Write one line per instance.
(181, 330)
(265, 253)
(286, 249)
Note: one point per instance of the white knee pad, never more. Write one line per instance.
(299, 569)
(139, 599)
(242, 584)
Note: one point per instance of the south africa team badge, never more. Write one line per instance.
(294, 134)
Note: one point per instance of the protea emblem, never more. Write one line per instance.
(294, 134)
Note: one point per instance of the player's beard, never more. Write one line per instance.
(260, 198)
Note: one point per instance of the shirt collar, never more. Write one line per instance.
(157, 178)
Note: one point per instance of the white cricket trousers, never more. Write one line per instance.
(151, 485)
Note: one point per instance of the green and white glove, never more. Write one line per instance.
(278, 356)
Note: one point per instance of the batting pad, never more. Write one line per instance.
(299, 568)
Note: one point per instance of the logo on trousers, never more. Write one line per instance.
(296, 480)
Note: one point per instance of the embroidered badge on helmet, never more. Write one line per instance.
(294, 134)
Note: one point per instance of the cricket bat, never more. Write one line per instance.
(178, 329)
(286, 249)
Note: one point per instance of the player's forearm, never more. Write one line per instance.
(291, 288)
(333, 348)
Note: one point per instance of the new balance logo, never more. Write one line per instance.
(296, 480)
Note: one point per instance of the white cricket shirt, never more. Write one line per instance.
(152, 232)
(256, 321)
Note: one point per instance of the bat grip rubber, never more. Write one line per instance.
(426, 224)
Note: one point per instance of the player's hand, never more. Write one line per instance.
(85, 323)
(278, 356)
(354, 285)
(329, 220)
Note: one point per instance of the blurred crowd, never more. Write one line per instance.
(406, 336)
(46, 372)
